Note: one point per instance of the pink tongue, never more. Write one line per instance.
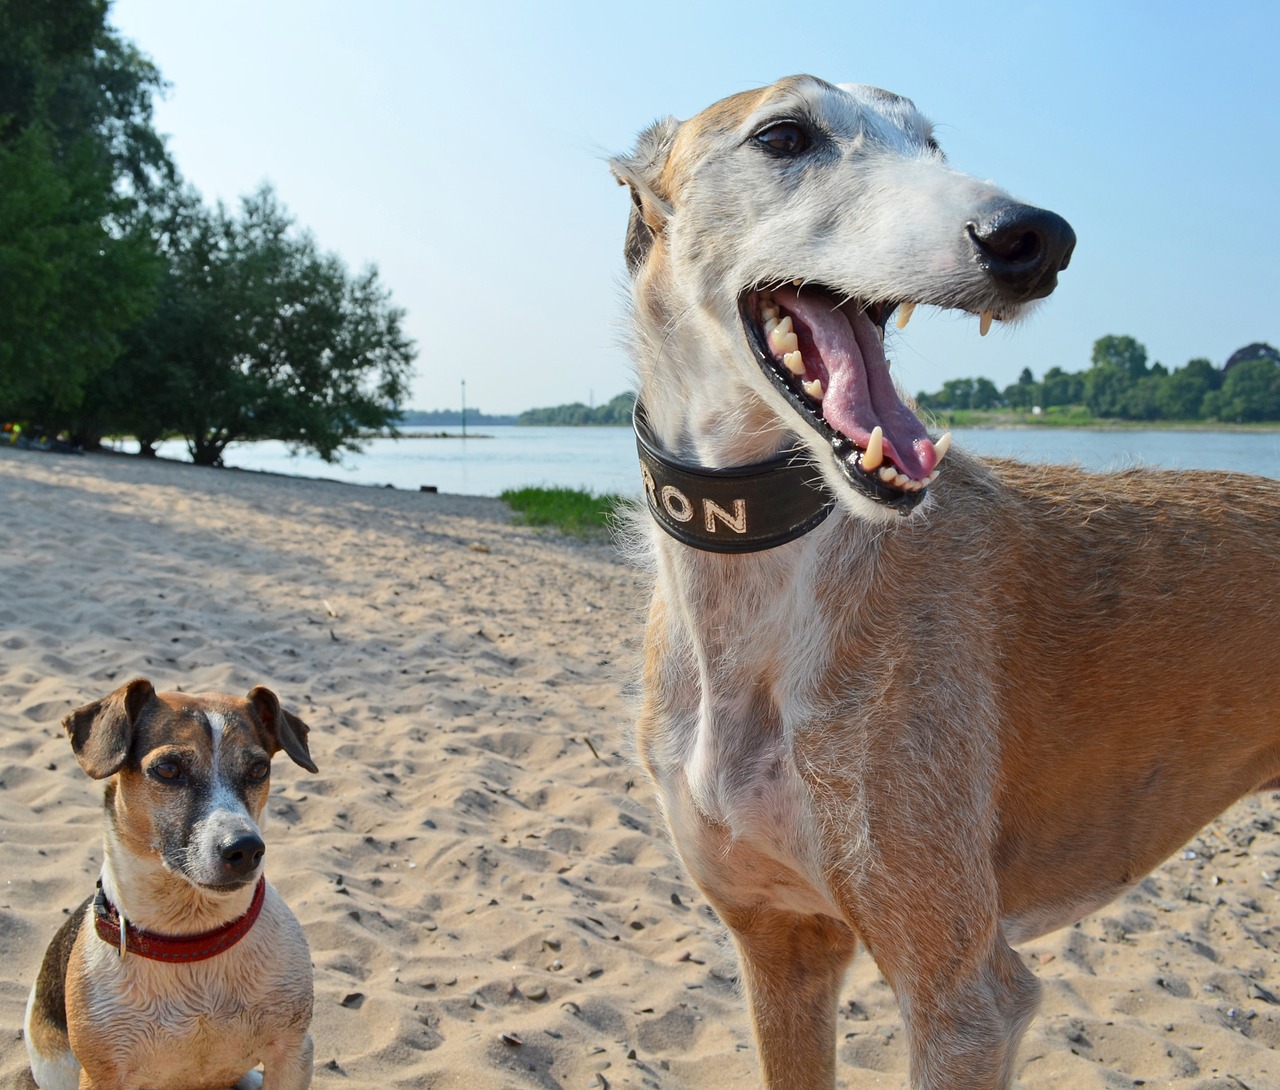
(859, 392)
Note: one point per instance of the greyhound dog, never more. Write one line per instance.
(893, 693)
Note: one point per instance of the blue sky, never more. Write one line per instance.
(460, 147)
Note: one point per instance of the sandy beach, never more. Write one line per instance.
(481, 870)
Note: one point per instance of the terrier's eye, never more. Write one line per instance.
(259, 770)
(168, 770)
(784, 138)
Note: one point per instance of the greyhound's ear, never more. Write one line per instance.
(641, 173)
(284, 730)
(102, 732)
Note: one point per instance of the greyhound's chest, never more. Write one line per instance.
(741, 814)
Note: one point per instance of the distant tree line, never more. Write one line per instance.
(1121, 385)
(613, 412)
(423, 418)
(128, 306)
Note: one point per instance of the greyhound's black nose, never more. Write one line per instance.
(1022, 248)
(242, 855)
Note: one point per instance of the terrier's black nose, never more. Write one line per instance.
(242, 855)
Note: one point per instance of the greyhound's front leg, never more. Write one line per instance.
(792, 969)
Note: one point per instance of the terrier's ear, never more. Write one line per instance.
(283, 730)
(102, 732)
(641, 173)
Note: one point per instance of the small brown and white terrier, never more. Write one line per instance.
(186, 970)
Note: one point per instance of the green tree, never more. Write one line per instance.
(1123, 353)
(257, 334)
(1061, 388)
(71, 285)
(1182, 394)
(1250, 391)
(1142, 399)
(185, 331)
(77, 157)
(308, 354)
(985, 395)
(1106, 388)
(1024, 393)
(616, 411)
(956, 393)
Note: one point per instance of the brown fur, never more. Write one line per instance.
(934, 735)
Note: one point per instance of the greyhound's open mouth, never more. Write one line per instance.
(827, 358)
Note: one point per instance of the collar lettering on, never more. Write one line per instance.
(115, 930)
(742, 509)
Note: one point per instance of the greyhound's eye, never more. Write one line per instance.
(784, 138)
(168, 769)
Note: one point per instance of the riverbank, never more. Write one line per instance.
(1005, 419)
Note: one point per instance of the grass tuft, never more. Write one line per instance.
(573, 511)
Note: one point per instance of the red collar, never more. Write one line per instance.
(147, 944)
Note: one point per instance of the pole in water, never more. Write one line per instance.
(464, 408)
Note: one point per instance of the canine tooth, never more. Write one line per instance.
(874, 454)
(794, 362)
(814, 389)
(904, 314)
(984, 323)
(941, 447)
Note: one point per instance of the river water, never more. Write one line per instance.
(496, 458)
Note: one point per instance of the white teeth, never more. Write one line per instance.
(768, 314)
(874, 454)
(887, 474)
(794, 362)
(814, 389)
(984, 323)
(770, 324)
(782, 343)
(943, 445)
(781, 337)
(904, 314)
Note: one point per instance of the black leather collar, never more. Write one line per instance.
(742, 509)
